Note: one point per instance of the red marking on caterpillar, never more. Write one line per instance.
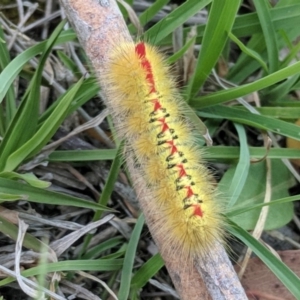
(140, 49)
(198, 211)
(157, 104)
(146, 65)
(173, 147)
(189, 192)
(141, 52)
(182, 171)
(165, 126)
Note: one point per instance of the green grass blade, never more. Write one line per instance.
(254, 192)
(69, 63)
(294, 50)
(25, 120)
(280, 270)
(38, 195)
(240, 72)
(112, 177)
(240, 91)
(264, 15)
(10, 103)
(176, 56)
(45, 132)
(82, 155)
(147, 15)
(230, 153)
(245, 64)
(173, 20)
(279, 112)
(4, 54)
(146, 272)
(15, 66)
(86, 91)
(71, 265)
(220, 21)
(107, 190)
(109, 244)
(30, 178)
(258, 121)
(281, 90)
(249, 51)
(4, 197)
(129, 259)
(214, 153)
(238, 180)
(240, 210)
(11, 230)
(246, 25)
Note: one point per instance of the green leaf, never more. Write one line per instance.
(25, 120)
(264, 16)
(10, 103)
(83, 155)
(11, 230)
(147, 271)
(196, 121)
(68, 62)
(106, 245)
(247, 25)
(254, 192)
(112, 178)
(86, 91)
(147, 15)
(15, 66)
(129, 259)
(173, 20)
(176, 56)
(236, 92)
(294, 50)
(10, 197)
(213, 153)
(44, 133)
(245, 66)
(229, 153)
(241, 170)
(249, 51)
(281, 90)
(220, 21)
(283, 273)
(280, 112)
(71, 265)
(44, 196)
(29, 178)
(107, 190)
(244, 208)
(258, 121)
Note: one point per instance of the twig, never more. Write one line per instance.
(98, 28)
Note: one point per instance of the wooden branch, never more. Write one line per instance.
(99, 26)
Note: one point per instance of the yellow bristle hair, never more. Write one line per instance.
(157, 131)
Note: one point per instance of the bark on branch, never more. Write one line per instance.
(99, 26)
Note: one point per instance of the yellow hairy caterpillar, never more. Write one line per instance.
(162, 139)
